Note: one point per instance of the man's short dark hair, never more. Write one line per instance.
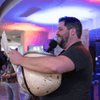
(72, 22)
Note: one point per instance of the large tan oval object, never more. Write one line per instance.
(38, 84)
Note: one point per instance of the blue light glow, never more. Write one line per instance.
(97, 63)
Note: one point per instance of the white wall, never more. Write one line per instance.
(91, 24)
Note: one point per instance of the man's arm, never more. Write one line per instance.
(3, 74)
(13, 74)
(47, 64)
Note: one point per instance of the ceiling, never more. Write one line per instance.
(44, 13)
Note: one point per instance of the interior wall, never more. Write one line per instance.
(91, 24)
(34, 38)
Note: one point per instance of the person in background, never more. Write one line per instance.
(2, 64)
(11, 85)
(74, 63)
(31, 97)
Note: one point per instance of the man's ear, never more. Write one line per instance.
(73, 31)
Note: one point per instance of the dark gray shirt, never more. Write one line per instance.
(76, 84)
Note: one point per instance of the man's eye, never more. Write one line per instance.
(60, 29)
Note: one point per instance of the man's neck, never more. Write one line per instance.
(71, 43)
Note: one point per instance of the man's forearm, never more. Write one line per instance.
(39, 64)
(5, 73)
(13, 74)
(59, 64)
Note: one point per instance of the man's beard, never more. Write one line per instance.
(64, 41)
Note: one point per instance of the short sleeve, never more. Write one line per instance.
(78, 57)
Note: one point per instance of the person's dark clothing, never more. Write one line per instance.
(10, 70)
(1, 63)
(75, 84)
(3, 59)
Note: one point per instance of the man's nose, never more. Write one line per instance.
(57, 33)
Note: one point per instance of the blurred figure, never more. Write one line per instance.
(27, 96)
(11, 84)
(1, 66)
(31, 97)
(2, 63)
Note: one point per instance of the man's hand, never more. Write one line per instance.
(7, 76)
(15, 57)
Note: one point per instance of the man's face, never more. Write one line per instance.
(63, 35)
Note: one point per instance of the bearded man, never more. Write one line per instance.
(75, 63)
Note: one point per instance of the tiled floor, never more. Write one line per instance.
(3, 95)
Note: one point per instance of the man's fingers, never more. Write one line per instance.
(11, 52)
